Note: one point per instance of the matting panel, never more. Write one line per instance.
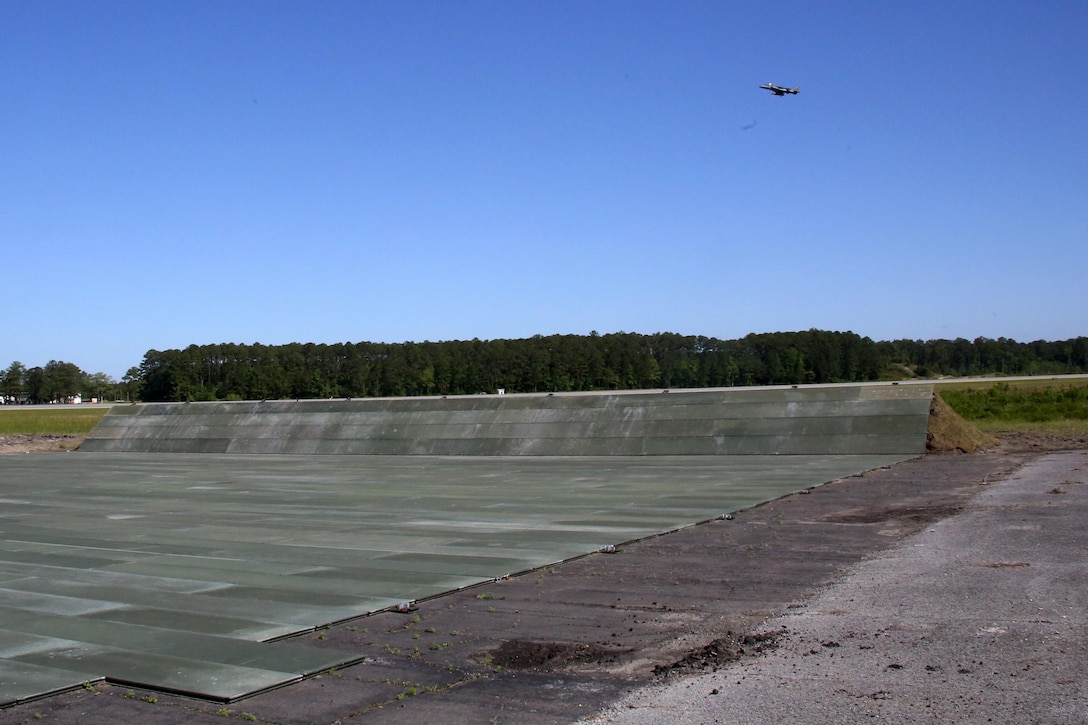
(806, 420)
(166, 571)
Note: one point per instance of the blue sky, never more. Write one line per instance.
(176, 173)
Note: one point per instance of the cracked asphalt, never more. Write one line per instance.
(978, 618)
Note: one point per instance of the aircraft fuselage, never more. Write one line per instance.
(780, 90)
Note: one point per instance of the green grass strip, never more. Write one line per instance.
(1027, 405)
(16, 420)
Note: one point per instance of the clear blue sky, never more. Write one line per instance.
(176, 173)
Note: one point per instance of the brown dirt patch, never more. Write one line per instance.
(548, 656)
(1032, 442)
(38, 443)
(918, 515)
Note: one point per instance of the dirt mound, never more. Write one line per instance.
(948, 432)
(523, 655)
(720, 652)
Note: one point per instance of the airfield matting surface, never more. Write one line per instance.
(173, 571)
(851, 419)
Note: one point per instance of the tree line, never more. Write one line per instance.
(61, 382)
(553, 363)
(561, 363)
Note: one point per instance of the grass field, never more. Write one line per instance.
(1043, 405)
(15, 420)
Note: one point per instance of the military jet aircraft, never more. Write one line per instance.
(779, 90)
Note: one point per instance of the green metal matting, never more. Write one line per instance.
(170, 571)
(175, 547)
(807, 420)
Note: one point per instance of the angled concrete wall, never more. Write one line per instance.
(864, 419)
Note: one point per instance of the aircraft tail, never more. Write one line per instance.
(795, 89)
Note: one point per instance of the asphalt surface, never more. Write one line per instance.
(979, 618)
(948, 587)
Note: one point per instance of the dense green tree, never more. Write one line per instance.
(99, 386)
(130, 384)
(35, 385)
(13, 381)
(56, 382)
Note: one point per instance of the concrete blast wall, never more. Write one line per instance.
(836, 420)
